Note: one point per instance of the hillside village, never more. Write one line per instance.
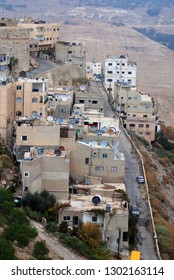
(55, 125)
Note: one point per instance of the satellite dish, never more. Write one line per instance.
(40, 151)
(57, 152)
(59, 120)
(50, 118)
(96, 199)
(82, 88)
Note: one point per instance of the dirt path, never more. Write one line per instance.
(54, 244)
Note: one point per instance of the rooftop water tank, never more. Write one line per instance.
(96, 199)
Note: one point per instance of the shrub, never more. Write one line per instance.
(7, 252)
(22, 233)
(6, 161)
(52, 227)
(90, 234)
(37, 216)
(40, 250)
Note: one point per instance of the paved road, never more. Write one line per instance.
(54, 244)
(136, 192)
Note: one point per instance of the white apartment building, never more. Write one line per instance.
(119, 70)
(93, 69)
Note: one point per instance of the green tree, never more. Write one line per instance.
(22, 233)
(7, 252)
(19, 217)
(5, 195)
(40, 202)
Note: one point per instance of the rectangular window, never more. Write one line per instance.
(110, 72)
(110, 64)
(75, 220)
(129, 72)
(94, 101)
(40, 99)
(136, 98)
(26, 174)
(132, 125)
(94, 219)
(134, 115)
(144, 116)
(113, 168)
(81, 101)
(19, 87)
(141, 125)
(109, 80)
(125, 236)
(147, 125)
(135, 107)
(123, 72)
(69, 51)
(129, 98)
(24, 138)
(66, 218)
(105, 155)
(86, 160)
(147, 133)
(99, 168)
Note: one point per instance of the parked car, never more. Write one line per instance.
(140, 179)
(135, 210)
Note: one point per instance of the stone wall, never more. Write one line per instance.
(18, 41)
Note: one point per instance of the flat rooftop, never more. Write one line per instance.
(84, 203)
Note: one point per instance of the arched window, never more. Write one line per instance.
(34, 100)
(18, 100)
(34, 114)
(18, 113)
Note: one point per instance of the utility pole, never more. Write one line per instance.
(118, 241)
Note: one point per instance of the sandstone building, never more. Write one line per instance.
(17, 39)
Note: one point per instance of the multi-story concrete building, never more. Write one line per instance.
(97, 159)
(91, 97)
(46, 169)
(137, 111)
(71, 53)
(93, 70)
(118, 69)
(103, 208)
(37, 133)
(7, 111)
(34, 48)
(46, 34)
(17, 39)
(31, 97)
(60, 103)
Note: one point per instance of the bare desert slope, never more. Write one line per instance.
(155, 62)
